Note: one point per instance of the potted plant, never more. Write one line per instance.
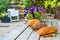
(33, 9)
(34, 12)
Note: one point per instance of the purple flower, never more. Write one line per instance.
(26, 8)
(43, 10)
(26, 11)
(32, 9)
(32, 12)
(38, 9)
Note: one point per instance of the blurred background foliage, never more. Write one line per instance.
(49, 5)
(3, 6)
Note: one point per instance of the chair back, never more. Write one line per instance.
(13, 12)
(10, 12)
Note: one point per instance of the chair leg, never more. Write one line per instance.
(10, 19)
(18, 18)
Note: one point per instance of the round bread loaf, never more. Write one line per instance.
(47, 30)
(33, 21)
(38, 26)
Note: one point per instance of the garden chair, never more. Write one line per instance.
(13, 14)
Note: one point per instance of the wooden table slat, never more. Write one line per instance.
(25, 34)
(48, 22)
(45, 38)
(56, 38)
(13, 34)
(55, 23)
(34, 36)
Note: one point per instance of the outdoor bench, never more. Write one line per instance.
(26, 33)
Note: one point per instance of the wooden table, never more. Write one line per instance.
(26, 33)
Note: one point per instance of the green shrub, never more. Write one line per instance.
(4, 6)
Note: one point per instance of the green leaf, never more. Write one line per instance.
(37, 15)
(29, 16)
(54, 0)
(52, 4)
(47, 3)
(58, 4)
(27, 3)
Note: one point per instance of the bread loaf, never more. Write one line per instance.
(49, 35)
(33, 21)
(47, 30)
(38, 26)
